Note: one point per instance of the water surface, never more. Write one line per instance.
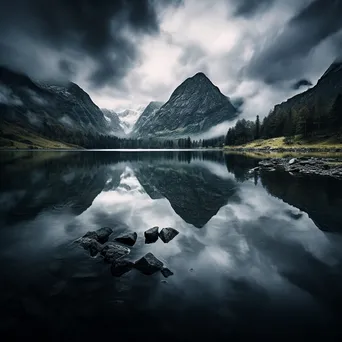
(258, 254)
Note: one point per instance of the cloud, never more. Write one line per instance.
(7, 97)
(102, 33)
(127, 53)
(301, 83)
(292, 48)
(249, 8)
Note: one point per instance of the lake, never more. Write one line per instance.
(258, 254)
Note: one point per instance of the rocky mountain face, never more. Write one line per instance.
(35, 105)
(147, 114)
(319, 98)
(194, 107)
(129, 117)
(113, 119)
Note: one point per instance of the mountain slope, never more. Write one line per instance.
(147, 114)
(114, 122)
(41, 107)
(319, 98)
(194, 107)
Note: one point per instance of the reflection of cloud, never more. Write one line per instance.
(217, 169)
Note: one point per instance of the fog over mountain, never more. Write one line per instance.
(134, 52)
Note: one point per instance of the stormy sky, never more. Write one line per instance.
(126, 53)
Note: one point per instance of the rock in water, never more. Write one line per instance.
(91, 245)
(91, 235)
(120, 267)
(166, 272)
(148, 264)
(103, 234)
(167, 234)
(113, 252)
(128, 238)
(292, 161)
(151, 235)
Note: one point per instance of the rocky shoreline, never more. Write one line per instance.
(269, 149)
(331, 167)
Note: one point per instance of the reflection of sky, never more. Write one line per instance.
(252, 240)
(248, 239)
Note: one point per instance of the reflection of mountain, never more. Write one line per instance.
(319, 197)
(194, 192)
(67, 183)
(240, 165)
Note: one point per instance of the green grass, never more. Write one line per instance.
(16, 137)
(297, 143)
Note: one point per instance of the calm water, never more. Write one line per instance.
(257, 254)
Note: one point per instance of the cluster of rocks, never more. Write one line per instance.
(269, 149)
(304, 165)
(96, 242)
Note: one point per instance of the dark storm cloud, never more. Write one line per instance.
(248, 8)
(284, 56)
(301, 83)
(95, 29)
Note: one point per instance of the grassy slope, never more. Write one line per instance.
(278, 143)
(15, 137)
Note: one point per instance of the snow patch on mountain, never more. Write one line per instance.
(129, 117)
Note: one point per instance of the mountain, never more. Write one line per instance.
(114, 121)
(148, 113)
(319, 98)
(53, 110)
(194, 107)
(129, 117)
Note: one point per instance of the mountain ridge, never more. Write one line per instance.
(43, 107)
(194, 106)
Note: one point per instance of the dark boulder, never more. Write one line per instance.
(91, 245)
(120, 267)
(148, 264)
(103, 234)
(166, 272)
(91, 235)
(151, 235)
(112, 252)
(128, 238)
(167, 234)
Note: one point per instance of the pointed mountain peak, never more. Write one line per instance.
(200, 75)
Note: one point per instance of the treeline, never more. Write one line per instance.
(306, 122)
(97, 141)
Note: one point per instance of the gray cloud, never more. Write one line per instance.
(129, 52)
(301, 83)
(191, 54)
(286, 53)
(96, 31)
(248, 8)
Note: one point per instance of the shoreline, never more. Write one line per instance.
(110, 150)
(300, 166)
(283, 149)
